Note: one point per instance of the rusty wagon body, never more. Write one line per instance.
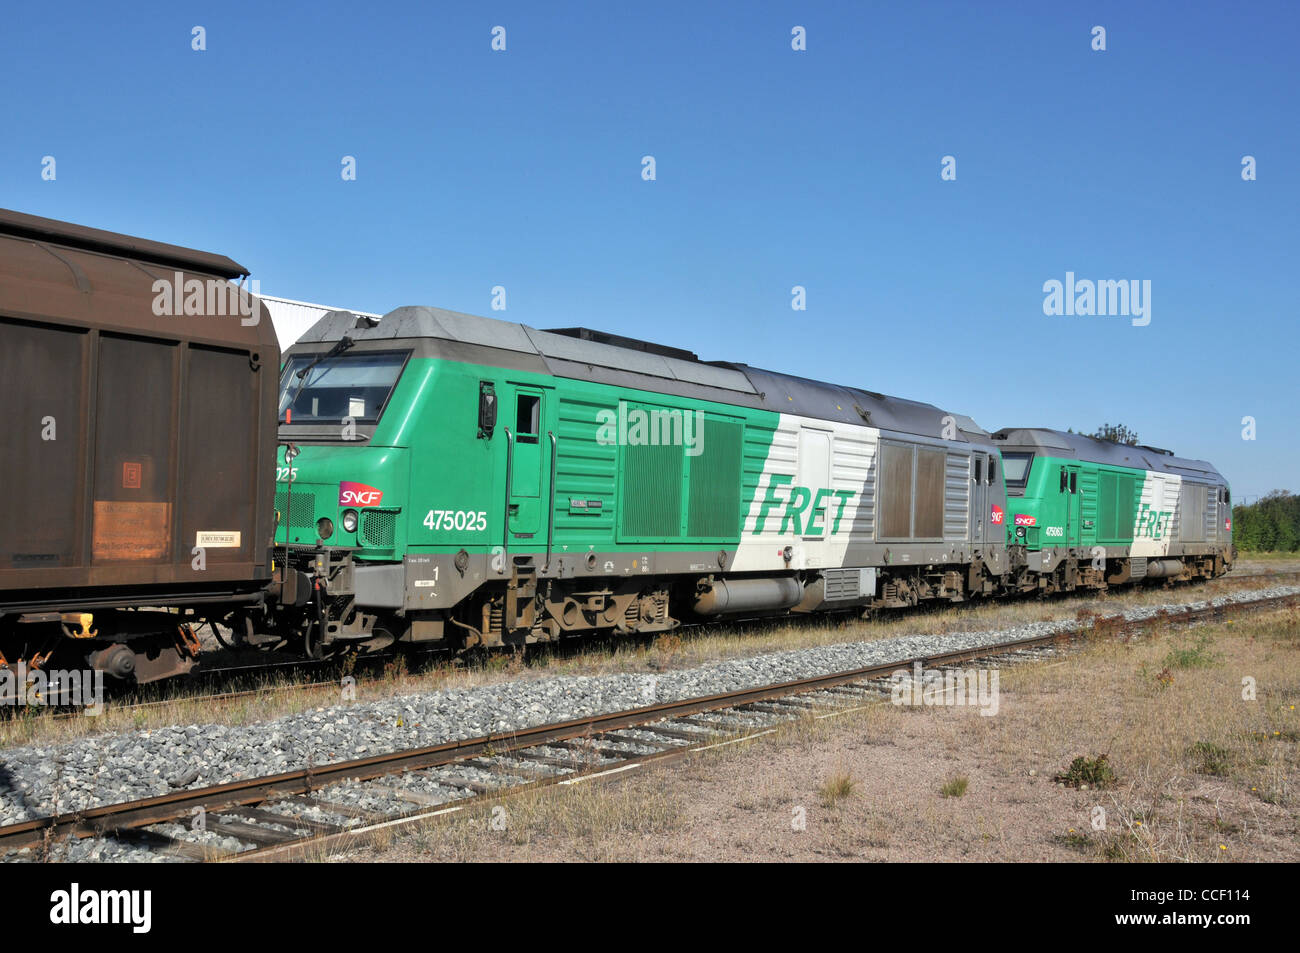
(138, 385)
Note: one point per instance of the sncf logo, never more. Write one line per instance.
(358, 494)
(1023, 520)
(998, 515)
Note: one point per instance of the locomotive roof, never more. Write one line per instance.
(588, 355)
(1095, 450)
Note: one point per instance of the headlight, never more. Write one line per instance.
(350, 520)
(325, 527)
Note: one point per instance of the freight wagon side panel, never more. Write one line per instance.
(140, 425)
(153, 481)
(43, 379)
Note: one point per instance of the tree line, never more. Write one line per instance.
(1270, 524)
(1115, 433)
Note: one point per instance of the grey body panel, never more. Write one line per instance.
(431, 580)
(380, 586)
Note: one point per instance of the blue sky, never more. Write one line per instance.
(775, 168)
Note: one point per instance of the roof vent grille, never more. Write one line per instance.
(618, 340)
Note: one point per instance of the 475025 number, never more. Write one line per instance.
(465, 520)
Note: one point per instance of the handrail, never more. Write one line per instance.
(505, 534)
(550, 508)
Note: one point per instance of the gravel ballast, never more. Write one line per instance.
(37, 780)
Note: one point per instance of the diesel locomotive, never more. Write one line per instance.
(455, 482)
(461, 481)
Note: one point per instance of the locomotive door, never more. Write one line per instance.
(1073, 517)
(1151, 519)
(814, 480)
(530, 461)
(981, 513)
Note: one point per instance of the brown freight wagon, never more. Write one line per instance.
(138, 390)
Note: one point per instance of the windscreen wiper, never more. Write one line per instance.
(343, 344)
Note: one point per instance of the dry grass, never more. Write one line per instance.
(599, 822)
(955, 787)
(836, 788)
(1270, 558)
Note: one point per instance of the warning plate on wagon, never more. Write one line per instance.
(217, 540)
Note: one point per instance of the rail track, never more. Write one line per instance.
(231, 675)
(289, 815)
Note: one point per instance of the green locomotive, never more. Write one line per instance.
(1139, 512)
(461, 481)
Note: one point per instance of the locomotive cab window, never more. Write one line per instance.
(528, 418)
(993, 470)
(979, 470)
(1015, 469)
(348, 385)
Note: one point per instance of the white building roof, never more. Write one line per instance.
(291, 318)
